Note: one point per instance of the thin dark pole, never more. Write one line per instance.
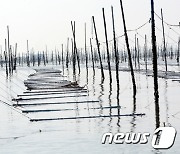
(135, 50)
(44, 59)
(155, 69)
(28, 63)
(15, 57)
(63, 59)
(86, 50)
(92, 56)
(75, 47)
(46, 55)
(107, 47)
(6, 59)
(164, 41)
(145, 52)
(73, 57)
(138, 54)
(98, 48)
(67, 54)
(115, 49)
(128, 49)
(9, 52)
(178, 51)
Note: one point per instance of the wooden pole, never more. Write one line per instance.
(9, 50)
(155, 69)
(28, 63)
(138, 54)
(92, 56)
(75, 47)
(135, 50)
(145, 52)
(86, 50)
(128, 49)
(67, 53)
(6, 59)
(107, 47)
(15, 57)
(154, 50)
(164, 41)
(11, 57)
(98, 48)
(73, 57)
(115, 49)
(44, 59)
(178, 51)
(63, 59)
(46, 55)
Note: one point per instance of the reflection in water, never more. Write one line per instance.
(87, 79)
(166, 101)
(100, 97)
(118, 104)
(147, 86)
(67, 72)
(78, 78)
(74, 76)
(133, 117)
(93, 86)
(156, 98)
(110, 108)
(87, 85)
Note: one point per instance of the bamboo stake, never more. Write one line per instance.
(86, 50)
(155, 69)
(164, 41)
(75, 47)
(135, 50)
(6, 59)
(115, 49)
(145, 52)
(178, 51)
(92, 56)
(15, 58)
(128, 49)
(98, 48)
(28, 54)
(9, 51)
(67, 54)
(107, 47)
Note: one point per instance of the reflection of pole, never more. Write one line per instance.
(154, 51)
(128, 49)
(166, 101)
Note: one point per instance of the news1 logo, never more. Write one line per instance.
(163, 137)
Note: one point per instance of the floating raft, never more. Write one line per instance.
(50, 96)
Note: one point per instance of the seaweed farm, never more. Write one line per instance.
(73, 99)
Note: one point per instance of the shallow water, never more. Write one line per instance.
(19, 135)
